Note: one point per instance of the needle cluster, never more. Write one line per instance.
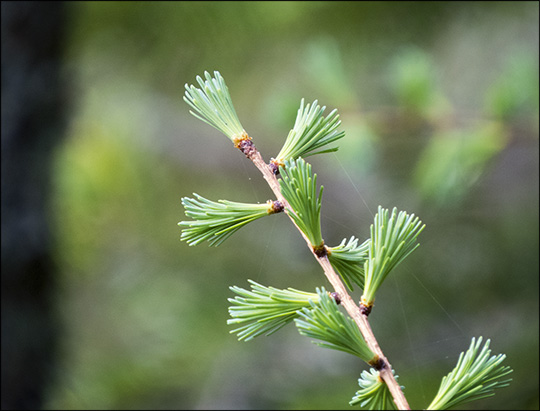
(310, 133)
(348, 259)
(213, 105)
(217, 221)
(393, 237)
(299, 188)
(373, 393)
(264, 310)
(475, 376)
(324, 321)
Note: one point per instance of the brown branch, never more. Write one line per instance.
(385, 369)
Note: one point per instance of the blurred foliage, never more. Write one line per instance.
(515, 93)
(414, 80)
(439, 104)
(453, 161)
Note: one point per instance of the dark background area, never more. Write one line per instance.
(104, 307)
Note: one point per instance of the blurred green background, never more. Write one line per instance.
(439, 103)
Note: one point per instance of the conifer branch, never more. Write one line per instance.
(346, 300)
(264, 310)
(352, 309)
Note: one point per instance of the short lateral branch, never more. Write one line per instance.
(245, 145)
(365, 309)
(357, 314)
(275, 207)
(320, 250)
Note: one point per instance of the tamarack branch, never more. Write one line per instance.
(264, 310)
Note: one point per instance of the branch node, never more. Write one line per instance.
(275, 206)
(377, 363)
(244, 143)
(336, 297)
(365, 308)
(320, 250)
(274, 166)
